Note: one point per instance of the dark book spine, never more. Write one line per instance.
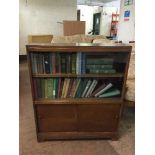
(53, 63)
(73, 64)
(47, 63)
(63, 64)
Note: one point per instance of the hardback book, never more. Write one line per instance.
(34, 63)
(43, 88)
(86, 88)
(100, 61)
(63, 89)
(35, 88)
(102, 71)
(59, 88)
(96, 90)
(54, 88)
(94, 66)
(83, 63)
(47, 63)
(40, 65)
(50, 88)
(91, 88)
(66, 88)
(81, 88)
(39, 95)
(58, 63)
(78, 63)
(111, 93)
(68, 63)
(76, 87)
(73, 63)
(46, 88)
(53, 64)
(104, 89)
(70, 87)
(63, 63)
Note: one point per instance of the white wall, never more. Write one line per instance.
(126, 29)
(41, 17)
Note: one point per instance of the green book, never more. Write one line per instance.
(99, 66)
(81, 88)
(98, 61)
(111, 93)
(73, 63)
(54, 88)
(49, 89)
(102, 71)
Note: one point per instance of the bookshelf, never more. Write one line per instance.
(77, 89)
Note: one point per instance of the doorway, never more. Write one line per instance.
(96, 23)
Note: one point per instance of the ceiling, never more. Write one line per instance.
(93, 2)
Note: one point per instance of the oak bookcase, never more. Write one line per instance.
(77, 117)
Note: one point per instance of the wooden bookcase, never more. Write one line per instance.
(72, 116)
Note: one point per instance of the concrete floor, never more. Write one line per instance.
(30, 146)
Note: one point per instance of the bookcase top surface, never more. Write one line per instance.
(77, 46)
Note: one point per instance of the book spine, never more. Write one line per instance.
(91, 88)
(83, 67)
(43, 88)
(66, 89)
(86, 89)
(63, 89)
(54, 88)
(77, 88)
(73, 65)
(53, 63)
(72, 88)
(110, 94)
(46, 89)
(46, 62)
(49, 88)
(104, 89)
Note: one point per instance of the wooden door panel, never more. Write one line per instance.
(98, 117)
(57, 118)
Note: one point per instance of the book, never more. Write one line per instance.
(61, 88)
(91, 88)
(54, 88)
(66, 88)
(47, 63)
(78, 63)
(103, 71)
(76, 87)
(104, 89)
(97, 66)
(70, 87)
(63, 63)
(86, 88)
(46, 88)
(50, 88)
(96, 90)
(73, 63)
(43, 88)
(53, 64)
(58, 63)
(111, 93)
(99, 61)
(81, 88)
(83, 63)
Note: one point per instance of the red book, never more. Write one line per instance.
(71, 87)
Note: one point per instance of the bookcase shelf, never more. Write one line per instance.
(77, 89)
(117, 100)
(75, 75)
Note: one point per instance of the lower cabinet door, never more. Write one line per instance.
(56, 118)
(98, 118)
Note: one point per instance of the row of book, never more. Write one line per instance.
(100, 65)
(74, 63)
(52, 88)
(52, 63)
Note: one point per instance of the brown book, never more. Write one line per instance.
(72, 88)
(63, 89)
(98, 89)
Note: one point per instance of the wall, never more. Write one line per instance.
(126, 29)
(41, 17)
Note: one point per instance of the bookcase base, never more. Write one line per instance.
(46, 136)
